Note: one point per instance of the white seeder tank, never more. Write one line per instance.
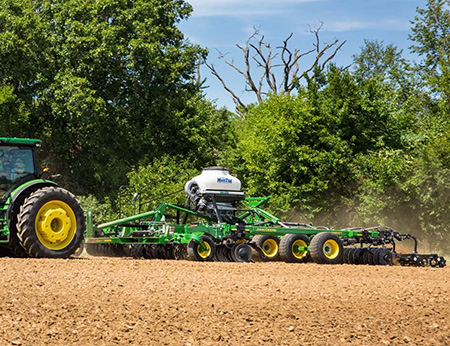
(214, 179)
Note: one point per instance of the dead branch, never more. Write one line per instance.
(237, 101)
(261, 55)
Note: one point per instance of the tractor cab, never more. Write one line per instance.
(17, 163)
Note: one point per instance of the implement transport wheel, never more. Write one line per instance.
(269, 245)
(51, 223)
(202, 252)
(326, 248)
(293, 248)
(241, 252)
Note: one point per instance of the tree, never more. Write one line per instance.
(258, 54)
(431, 37)
(382, 61)
(105, 84)
(305, 149)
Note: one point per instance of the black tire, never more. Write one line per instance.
(62, 224)
(14, 243)
(157, 252)
(79, 251)
(241, 252)
(194, 252)
(326, 248)
(289, 245)
(384, 257)
(375, 256)
(270, 247)
(227, 253)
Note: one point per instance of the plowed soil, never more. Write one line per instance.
(121, 301)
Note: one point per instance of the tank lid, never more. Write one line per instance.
(215, 168)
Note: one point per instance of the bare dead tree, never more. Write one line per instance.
(258, 53)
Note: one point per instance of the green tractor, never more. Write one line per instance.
(38, 218)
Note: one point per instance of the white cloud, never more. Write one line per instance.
(239, 8)
(351, 25)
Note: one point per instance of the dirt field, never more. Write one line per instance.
(119, 301)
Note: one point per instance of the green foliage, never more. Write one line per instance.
(410, 191)
(162, 180)
(302, 149)
(105, 84)
(101, 211)
(430, 34)
(380, 61)
(13, 113)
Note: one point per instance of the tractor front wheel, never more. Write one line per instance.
(51, 223)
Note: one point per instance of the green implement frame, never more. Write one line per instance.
(170, 227)
(151, 227)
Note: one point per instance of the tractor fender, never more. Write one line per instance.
(32, 185)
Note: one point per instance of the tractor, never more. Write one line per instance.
(38, 218)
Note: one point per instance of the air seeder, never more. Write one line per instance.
(211, 226)
(40, 219)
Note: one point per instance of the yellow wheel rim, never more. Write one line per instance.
(55, 225)
(270, 247)
(296, 251)
(206, 252)
(331, 249)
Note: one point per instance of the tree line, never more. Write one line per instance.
(111, 88)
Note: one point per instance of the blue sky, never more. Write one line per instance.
(219, 24)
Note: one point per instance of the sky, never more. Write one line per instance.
(219, 24)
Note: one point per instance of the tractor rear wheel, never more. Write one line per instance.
(326, 248)
(51, 223)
